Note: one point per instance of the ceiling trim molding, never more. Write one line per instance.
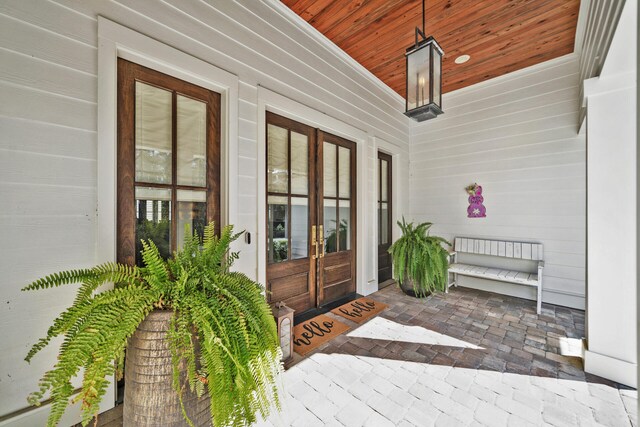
(293, 17)
(581, 26)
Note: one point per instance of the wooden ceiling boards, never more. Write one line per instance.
(501, 36)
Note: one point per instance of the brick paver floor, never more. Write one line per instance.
(464, 358)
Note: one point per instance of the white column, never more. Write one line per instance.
(611, 211)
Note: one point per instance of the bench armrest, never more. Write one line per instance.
(540, 264)
(452, 253)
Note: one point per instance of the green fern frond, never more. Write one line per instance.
(222, 330)
(421, 258)
(61, 278)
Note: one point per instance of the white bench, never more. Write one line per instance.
(498, 248)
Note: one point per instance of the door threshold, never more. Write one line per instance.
(313, 312)
(386, 283)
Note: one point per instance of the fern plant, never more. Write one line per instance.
(222, 328)
(420, 258)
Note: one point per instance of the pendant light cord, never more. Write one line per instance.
(423, 19)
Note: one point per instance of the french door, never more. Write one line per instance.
(168, 160)
(384, 217)
(311, 215)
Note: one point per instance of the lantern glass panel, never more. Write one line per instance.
(418, 78)
(437, 68)
(285, 338)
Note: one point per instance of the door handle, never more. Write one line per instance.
(314, 241)
(321, 240)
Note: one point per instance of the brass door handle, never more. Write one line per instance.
(314, 242)
(321, 239)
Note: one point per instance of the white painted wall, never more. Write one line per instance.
(515, 135)
(612, 213)
(49, 161)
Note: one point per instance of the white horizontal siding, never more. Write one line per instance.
(46, 138)
(48, 160)
(517, 137)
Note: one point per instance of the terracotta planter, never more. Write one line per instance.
(149, 398)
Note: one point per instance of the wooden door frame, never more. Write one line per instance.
(382, 156)
(353, 148)
(389, 159)
(315, 193)
(292, 125)
(128, 74)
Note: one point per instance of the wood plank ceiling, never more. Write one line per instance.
(501, 36)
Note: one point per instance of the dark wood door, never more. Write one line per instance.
(311, 215)
(384, 217)
(168, 160)
(291, 213)
(336, 166)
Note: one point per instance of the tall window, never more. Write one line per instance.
(168, 160)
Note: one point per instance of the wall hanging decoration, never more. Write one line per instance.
(476, 209)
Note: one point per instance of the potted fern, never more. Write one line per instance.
(202, 341)
(420, 262)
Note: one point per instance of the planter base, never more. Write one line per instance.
(149, 398)
(407, 288)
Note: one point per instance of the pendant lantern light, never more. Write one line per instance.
(424, 76)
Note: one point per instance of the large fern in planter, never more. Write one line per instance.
(222, 327)
(420, 258)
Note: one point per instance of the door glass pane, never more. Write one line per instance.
(277, 159)
(191, 211)
(153, 134)
(383, 178)
(299, 227)
(344, 175)
(299, 163)
(153, 219)
(277, 244)
(329, 169)
(384, 223)
(192, 141)
(285, 337)
(344, 232)
(330, 229)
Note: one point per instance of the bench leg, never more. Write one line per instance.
(539, 296)
(539, 289)
(450, 283)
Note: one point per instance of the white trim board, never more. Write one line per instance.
(116, 41)
(609, 367)
(380, 145)
(279, 104)
(37, 416)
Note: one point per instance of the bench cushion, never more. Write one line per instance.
(512, 276)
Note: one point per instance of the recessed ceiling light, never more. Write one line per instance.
(462, 59)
